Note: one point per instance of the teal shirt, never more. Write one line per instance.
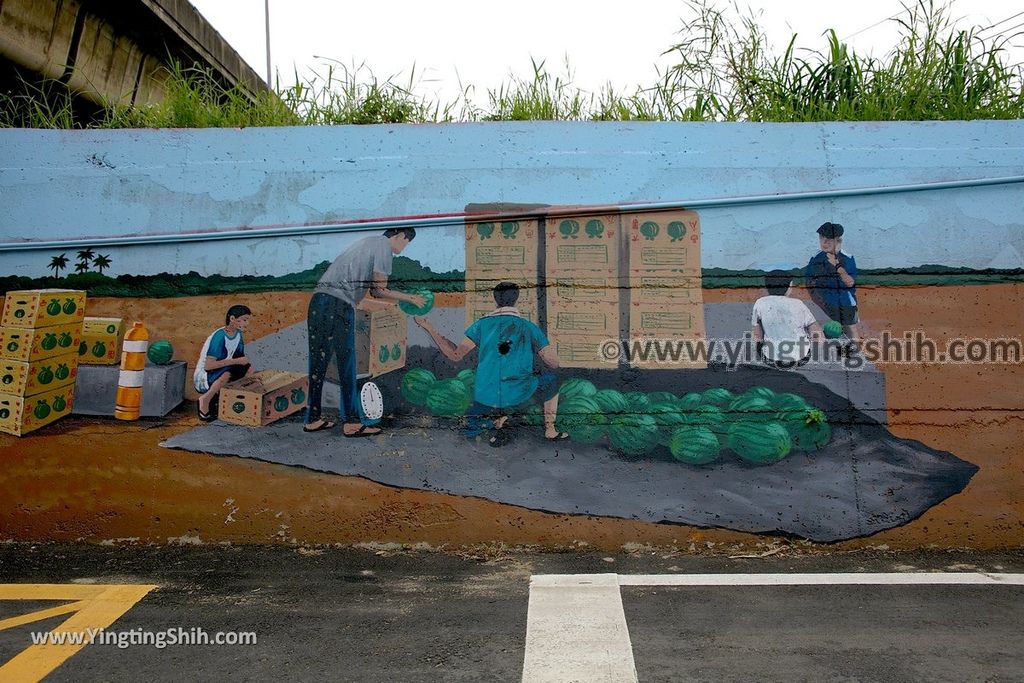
(505, 345)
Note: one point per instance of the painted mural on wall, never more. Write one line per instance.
(574, 368)
(543, 341)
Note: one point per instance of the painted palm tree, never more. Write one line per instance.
(101, 261)
(58, 263)
(81, 267)
(85, 255)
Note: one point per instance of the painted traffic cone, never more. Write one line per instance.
(133, 366)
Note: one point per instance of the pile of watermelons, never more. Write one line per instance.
(759, 426)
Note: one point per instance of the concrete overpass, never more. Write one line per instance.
(112, 52)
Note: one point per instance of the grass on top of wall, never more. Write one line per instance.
(724, 70)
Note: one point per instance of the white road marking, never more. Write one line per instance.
(576, 631)
(576, 627)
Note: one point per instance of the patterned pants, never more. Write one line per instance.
(331, 325)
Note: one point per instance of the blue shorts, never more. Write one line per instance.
(480, 417)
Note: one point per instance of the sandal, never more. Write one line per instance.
(557, 437)
(205, 417)
(361, 432)
(324, 424)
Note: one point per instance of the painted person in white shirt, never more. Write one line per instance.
(783, 326)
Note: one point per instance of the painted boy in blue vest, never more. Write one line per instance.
(505, 380)
(831, 279)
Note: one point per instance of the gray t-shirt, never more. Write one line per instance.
(351, 274)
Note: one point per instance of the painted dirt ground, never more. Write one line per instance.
(98, 480)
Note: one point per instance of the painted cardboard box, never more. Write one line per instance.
(675, 288)
(663, 242)
(27, 345)
(476, 311)
(101, 341)
(676, 327)
(582, 352)
(502, 246)
(580, 320)
(263, 397)
(33, 308)
(381, 340)
(583, 244)
(27, 379)
(20, 415)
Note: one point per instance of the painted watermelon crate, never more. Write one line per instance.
(381, 341)
(20, 415)
(101, 341)
(28, 379)
(263, 397)
(27, 345)
(43, 307)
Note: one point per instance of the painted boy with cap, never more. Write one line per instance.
(831, 279)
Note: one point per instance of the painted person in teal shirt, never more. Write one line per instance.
(506, 344)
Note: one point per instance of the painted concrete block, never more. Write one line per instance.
(163, 389)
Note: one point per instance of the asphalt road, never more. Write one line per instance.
(402, 615)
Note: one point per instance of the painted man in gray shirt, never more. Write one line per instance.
(361, 269)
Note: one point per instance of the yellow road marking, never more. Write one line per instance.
(30, 617)
(95, 607)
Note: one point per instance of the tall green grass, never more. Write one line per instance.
(724, 69)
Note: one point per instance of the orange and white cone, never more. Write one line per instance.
(133, 367)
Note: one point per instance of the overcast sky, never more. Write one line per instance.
(481, 43)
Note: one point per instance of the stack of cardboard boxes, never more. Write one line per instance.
(582, 265)
(501, 251)
(40, 334)
(605, 276)
(666, 301)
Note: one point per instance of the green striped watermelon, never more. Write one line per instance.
(581, 417)
(760, 392)
(711, 417)
(416, 384)
(633, 434)
(808, 430)
(760, 444)
(668, 419)
(611, 402)
(788, 402)
(694, 445)
(574, 387)
(661, 397)
(689, 402)
(448, 398)
(719, 397)
(638, 401)
(748, 407)
(467, 377)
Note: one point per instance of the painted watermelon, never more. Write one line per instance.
(467, 377)
(534, 416)
(711, 417)
(611, 402)
(689, 402)
(668, 419)
(760, 392)
(637, 401)
(716, 397)
(448, 398)
(572, 388)
(694, 445)
(160, 352)
(760, 444)
(416, 384)
(633, 434)
(581, 417)
(789, 403)
(809, 430)
(833, 329)
(428, 303)
(661, 397)
(749, 407)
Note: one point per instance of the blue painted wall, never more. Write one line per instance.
(58, 184)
